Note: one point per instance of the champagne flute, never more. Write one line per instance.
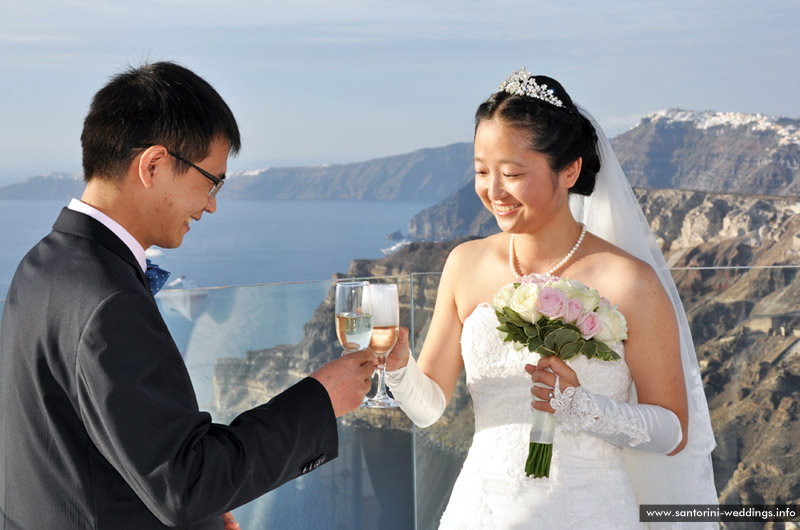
(386, 321)
(353, 311)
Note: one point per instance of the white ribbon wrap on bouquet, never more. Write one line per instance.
(543, 428)
(544, 423)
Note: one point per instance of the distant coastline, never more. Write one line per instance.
(245, 242)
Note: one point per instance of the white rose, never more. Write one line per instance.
(590, 298)
(503, 297)
(615, 328)
(575, 289)
(564, 286)
(524, 301)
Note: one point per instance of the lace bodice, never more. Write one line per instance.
(494, 468)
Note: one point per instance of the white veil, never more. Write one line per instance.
(613, 213)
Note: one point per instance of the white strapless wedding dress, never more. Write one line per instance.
(588, 486)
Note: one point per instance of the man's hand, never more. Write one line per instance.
(230, 522)
(398, 357)
(347, 380)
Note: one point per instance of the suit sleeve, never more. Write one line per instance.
(140, 410)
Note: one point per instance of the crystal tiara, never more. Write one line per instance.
(522, 83)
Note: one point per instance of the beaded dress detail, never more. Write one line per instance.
(588, 486)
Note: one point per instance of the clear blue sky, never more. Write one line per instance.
(326, 82)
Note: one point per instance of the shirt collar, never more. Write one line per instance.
(114, 226)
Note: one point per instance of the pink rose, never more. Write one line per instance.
(589, 324)
(551, 303)
(574, 310)
(535, 279)
(604, 302)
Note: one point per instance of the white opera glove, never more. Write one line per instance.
(419, 396)
(639, 426)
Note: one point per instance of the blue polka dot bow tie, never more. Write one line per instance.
(156, 276)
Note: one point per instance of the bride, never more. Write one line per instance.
(628, 433)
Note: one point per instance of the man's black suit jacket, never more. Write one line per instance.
(99, 424)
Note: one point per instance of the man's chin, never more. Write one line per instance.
(171, 243)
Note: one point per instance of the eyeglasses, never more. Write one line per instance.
(218, 182)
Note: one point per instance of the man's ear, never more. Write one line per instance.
(151, 162)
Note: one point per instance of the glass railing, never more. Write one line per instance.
(243, 345)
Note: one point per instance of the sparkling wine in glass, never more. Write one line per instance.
(353, 310)
(386, 322)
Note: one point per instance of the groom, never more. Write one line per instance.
(99, 424)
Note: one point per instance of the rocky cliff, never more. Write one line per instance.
(713, 151)
(745, 322)
(746, 326)
(459, 215)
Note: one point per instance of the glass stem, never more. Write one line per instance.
(381, 379)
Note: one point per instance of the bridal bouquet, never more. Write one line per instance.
(554, 316)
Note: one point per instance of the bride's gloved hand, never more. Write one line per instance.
(640, 426)
(419, 396)
(545, 372)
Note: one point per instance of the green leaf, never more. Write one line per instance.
(547, 336)
(605, 352)
(522, 339)
(534, 343)
(568, 351)
(547, 327)
(549, 339)
(514, 317)
(557, 336)
(589, 349)
(544, 351)
(610, 355)
(516, 329)
(601, 346)
(531, 331)
(564, 336)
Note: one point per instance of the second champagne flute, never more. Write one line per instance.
(353, 315)
(386, 322)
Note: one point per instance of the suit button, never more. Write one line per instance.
(311, 466)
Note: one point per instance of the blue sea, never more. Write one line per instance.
(244, 242)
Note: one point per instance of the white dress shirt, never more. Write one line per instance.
(114, 226)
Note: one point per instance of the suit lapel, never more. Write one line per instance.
(81, 225)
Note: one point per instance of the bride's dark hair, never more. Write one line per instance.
(562, 134)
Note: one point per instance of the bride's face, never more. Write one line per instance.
(514, 182)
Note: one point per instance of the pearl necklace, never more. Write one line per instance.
(512, 255)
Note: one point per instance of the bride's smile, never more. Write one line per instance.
(505, 209)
